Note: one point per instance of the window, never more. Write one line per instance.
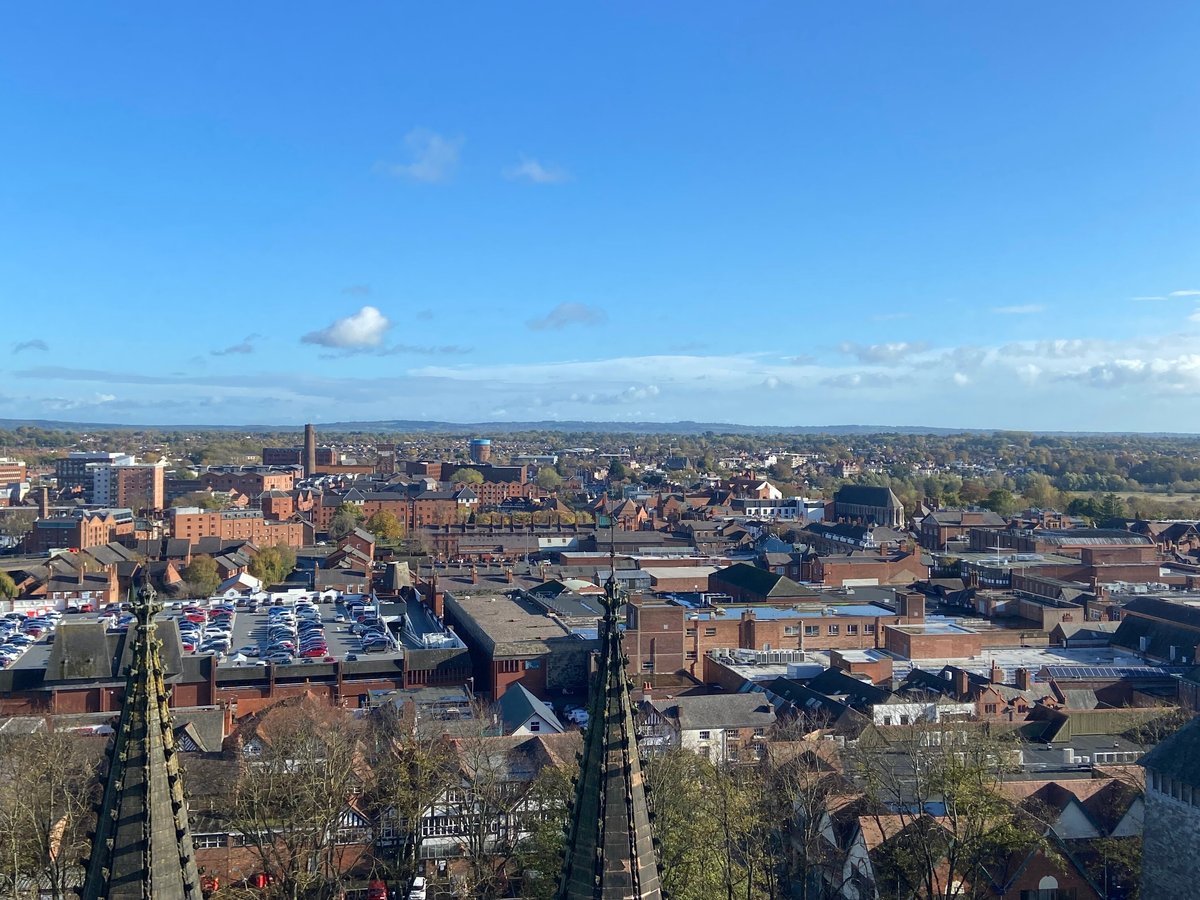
(647, 665)
(733, 732)
(833, 629)
(760, 732)
(791, 629)
(989, 709)
(691, 654)
(691, 632)
(869, 629)
(851, 629)
(812, 630)
(510, 665)
(210, 841)
(533, 664)
(535, 725)
(705, 735)
(710, 632)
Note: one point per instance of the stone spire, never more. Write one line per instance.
(142, 848)
(609, 853)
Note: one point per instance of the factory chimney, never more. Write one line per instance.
(310, 451)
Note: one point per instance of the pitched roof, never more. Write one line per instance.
(866, 495)
(717, 711)
(518, 706)
(759, 581)
(1178, 756)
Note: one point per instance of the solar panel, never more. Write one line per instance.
(1063, 673)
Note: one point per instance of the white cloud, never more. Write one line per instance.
(882, 353)
(362, 331)
(630, 394)
(852, 380)
(1024, 309)
(1162, 297)
(1188, 293)
(961, 380)
(432, 157)
(535, 172)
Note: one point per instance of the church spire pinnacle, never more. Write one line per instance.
(610, 853)
(142, 847)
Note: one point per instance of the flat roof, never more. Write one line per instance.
(506, 619)
(698, 573)
(933, 628)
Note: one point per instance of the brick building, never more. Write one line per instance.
(512, 640)
(193, 524)
(944, 525)
(81, 530)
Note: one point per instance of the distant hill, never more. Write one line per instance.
(411, 426)
(417, 426)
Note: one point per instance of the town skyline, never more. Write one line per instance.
(761, 215)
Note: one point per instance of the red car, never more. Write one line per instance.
(377, 890)
(314, 652)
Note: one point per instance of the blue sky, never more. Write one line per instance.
(783, 213)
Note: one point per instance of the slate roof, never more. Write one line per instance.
(866, 495)
(517, 706)
(759, 581)
(717, 711)
(1178, 756)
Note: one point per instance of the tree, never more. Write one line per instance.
(290, 798)
(385, 525)
(936, 792)
(781, 470)
(202, 576)
(467, 476)
(8, 587)
(273, 564)
(345, 520)
(540, 853)
(411, 769)
(617, 471)
(548, 479)
(1001, 501)
(46, 793)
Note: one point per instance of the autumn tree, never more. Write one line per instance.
(202, 576)
(466, 476)
(8, 587)
(540, 854)
(385, 525)
(273, 564)
(548, 479)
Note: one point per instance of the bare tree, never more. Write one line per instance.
(300, 776)
(412, 768)
(45, 809)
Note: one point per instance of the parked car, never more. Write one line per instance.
(418, 889)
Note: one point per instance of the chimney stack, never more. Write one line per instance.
(310, 451)
(962, 684)
(996, 675)
(1024, 679)
(43, 502)
(474, 574)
